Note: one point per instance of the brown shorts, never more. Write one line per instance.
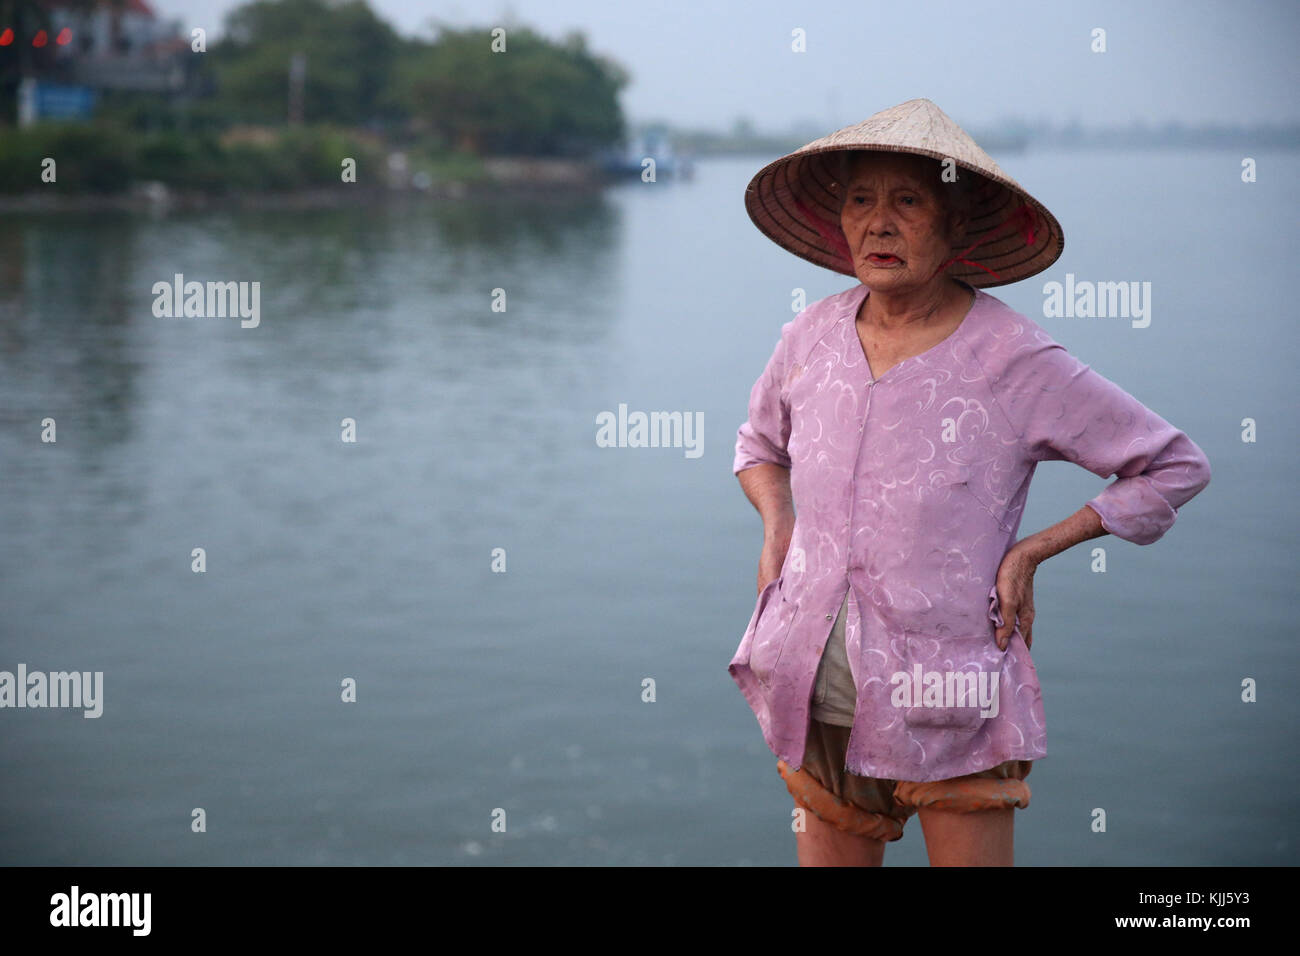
(877, 808)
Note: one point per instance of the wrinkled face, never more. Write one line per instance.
(898, 223)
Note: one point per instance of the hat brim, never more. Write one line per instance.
(1014, 242)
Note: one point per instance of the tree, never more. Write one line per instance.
(350, 55)
(537, 97)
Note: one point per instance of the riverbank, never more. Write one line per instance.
(92, 167)
(533, 177)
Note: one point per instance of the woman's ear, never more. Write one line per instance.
(957, 222)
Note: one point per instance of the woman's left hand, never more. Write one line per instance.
(1015, 585)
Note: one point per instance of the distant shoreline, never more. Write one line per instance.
(539, 178)
(530, 177)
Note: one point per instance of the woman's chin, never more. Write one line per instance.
(892, 279)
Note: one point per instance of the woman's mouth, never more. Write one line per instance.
(883, 259)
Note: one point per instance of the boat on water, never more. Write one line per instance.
(631, 160)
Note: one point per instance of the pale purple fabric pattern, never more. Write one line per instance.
(908, 492)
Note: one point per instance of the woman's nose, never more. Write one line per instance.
(879, 224)
(877, 221)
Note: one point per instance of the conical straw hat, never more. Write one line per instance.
(795, 200)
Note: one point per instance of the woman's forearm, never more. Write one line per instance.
(767, 487)
(1080, 526)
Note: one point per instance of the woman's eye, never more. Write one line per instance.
(909, 200)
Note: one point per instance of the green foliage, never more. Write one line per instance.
(181, 160)
(444, 102)
(453, 167)
(349, 52)
(536, 97)
(93, 158)
(101, 158)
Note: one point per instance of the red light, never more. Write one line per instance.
(64, 37)
(7, 37)
(40, 39)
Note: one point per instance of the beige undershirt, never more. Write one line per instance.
(834, 694)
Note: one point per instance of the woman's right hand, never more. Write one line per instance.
(767, 486)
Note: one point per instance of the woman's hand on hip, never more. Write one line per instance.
(1015, 587)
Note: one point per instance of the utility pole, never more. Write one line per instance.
(297, 79)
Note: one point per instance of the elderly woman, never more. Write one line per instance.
(889, 449)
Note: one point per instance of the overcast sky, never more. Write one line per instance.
(706, 62)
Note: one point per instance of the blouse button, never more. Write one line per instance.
(829, 618)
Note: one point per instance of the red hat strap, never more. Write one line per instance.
(1023, 217)
(831, 232)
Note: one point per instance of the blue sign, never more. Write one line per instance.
(57, 101)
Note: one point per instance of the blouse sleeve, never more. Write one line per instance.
(1065, 411)
(762, 439)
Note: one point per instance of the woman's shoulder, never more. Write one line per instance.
(1004, 337)
(817, 318)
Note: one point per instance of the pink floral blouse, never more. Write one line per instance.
(908, 491)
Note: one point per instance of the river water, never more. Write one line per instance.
(484, 694)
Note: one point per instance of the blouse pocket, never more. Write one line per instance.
(772, 628)
(951, 681)
(761, 604)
